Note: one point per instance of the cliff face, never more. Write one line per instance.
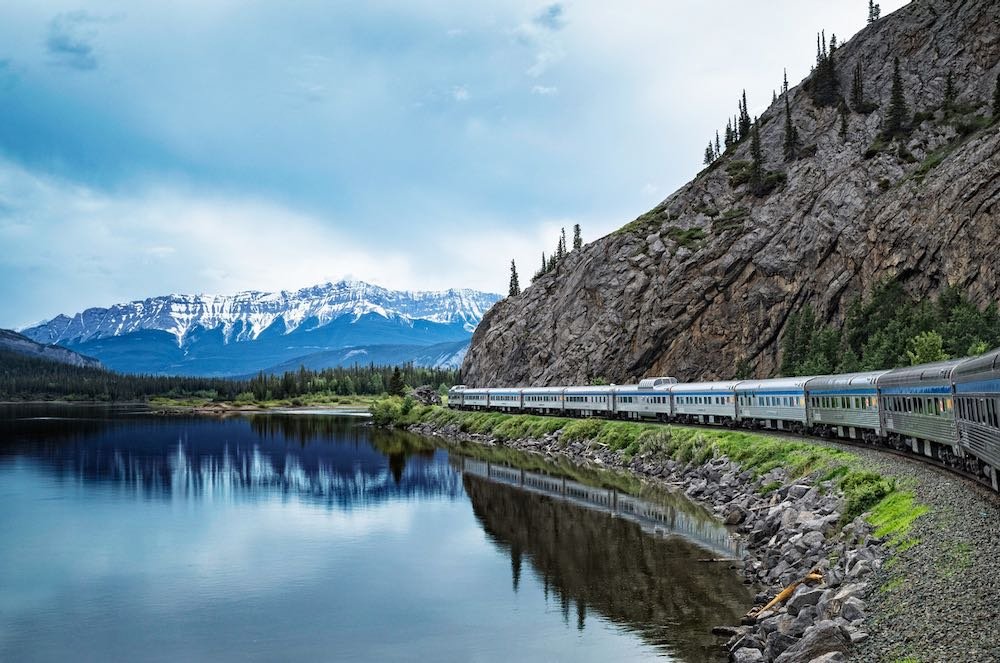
(707, 279)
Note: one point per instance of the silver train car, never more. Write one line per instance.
(650, 399)
(917, 407)
(977, 410)
(846, 406)
(947, 410)
(705, 402)
(779, 403)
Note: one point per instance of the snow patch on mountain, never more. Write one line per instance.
(244, 316)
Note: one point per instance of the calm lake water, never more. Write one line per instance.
(129, 536)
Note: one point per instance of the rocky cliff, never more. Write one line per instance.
(705, 281)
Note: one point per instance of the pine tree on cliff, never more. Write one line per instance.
(858, 89)
(874, 11)
(825, 86)
(949, 92)
(791, 134)
(757, 172)
(515, 285)
(578, 235)
(744, 118)
(729, 134)
(843, 120)
(718, 147)
(996, 100)
(896, 116)
(709, 154)
(784, 85)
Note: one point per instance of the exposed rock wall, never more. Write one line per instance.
(654, 299)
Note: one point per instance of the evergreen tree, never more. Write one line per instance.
(774, 96)
(858, 89)
(874, 11)
(824, 84)
(709, 154)
(718, 147)
(896, 116)
(784, 86)
(996, 100)
(578, 235)
(729, 134)
(791, 134)
(545, 264)
(949, 92)
(396, 386)
(843, 121)
(744, 118)
(515, 285)
(757, 172)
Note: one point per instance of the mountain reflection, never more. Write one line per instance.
(598, 563)
(328, 460)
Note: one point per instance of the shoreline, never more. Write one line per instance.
(789, 526)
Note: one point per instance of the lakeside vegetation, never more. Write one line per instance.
(888, 330)
(891, 507)
(25, 378)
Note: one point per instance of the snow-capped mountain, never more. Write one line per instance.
(248, 331)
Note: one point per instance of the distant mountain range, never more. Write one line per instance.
(22, 345)
(334, 324)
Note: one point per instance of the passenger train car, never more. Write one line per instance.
(949, 410)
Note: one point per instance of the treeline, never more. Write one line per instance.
(890, 330)
(548, 263)
(30, 378)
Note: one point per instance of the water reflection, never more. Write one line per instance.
(272, 535)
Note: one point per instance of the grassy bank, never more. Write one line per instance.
(891, 507)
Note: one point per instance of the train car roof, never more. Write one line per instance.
(543, 390)
(775, 383)
(591, 389)
(846, 381)
(689, 387)
(977, 367)
(926, 374)
(633, 388)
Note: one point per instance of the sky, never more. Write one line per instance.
(225, 145)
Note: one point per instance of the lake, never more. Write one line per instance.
(133, 536)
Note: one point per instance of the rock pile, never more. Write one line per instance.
(425, 395)
(786, 533)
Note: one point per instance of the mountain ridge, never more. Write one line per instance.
(15, 342)
(215, 335)
(702, 286)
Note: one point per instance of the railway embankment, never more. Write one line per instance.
(834, 539)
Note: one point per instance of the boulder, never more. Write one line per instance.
(804, 596)
(747, 655)
(822, 638)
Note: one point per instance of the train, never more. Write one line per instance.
(948, 411)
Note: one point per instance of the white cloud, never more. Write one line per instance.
(460, 93)
(544, 91)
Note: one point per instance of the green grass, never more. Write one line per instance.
(689, 238)
(893, 515)
(891, 510)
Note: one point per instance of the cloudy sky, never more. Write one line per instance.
(224, 145)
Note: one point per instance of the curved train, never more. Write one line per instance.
(949, 411)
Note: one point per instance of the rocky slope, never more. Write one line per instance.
(22, 345)
(705, 282)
